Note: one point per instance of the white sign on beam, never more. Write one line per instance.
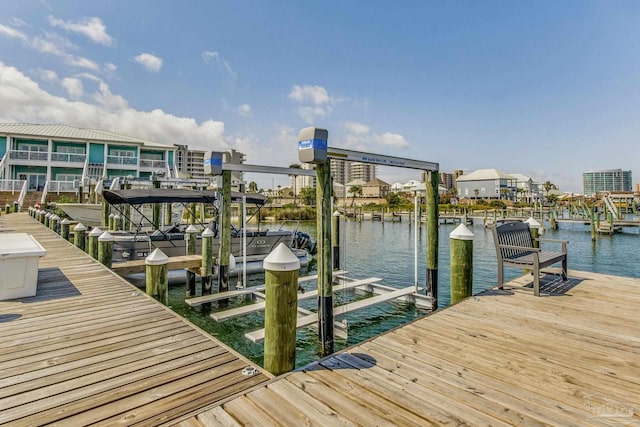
(380, 159)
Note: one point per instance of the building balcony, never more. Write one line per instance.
(29, 156)
(68, 158)
(152, 165)
(122, 161)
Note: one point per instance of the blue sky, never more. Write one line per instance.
(549, 89)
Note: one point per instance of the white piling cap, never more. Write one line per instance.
(281, 259)
(95, 231)
(80, 227)
(208, 233)
(54, 217)
(105, 237)
(49, 215)
(191, 229)
(533, 223)
(232, 262)
(157, 257)
(461, 232)
(336, 213)
(65, 221)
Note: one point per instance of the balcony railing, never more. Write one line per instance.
(68, 157)
(61, 187)
(29, 155)
(12, 185)
(155, 164)
(122, 160)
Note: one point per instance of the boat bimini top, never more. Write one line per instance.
(173, 195)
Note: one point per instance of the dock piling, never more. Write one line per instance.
(207, 261)
(461, 276)
(191, 237)
(79, 235)
(432, 236)
(92, 242)
(281, 269)
(105, 249)
(65, 224)
(157, 280)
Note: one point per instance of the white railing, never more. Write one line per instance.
(23, 194)
(12, 185)
(155, 164)
(122, 160)
(68, 157)
(29, 155)
(61, 187)
(3, 166)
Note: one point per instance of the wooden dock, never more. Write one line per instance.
(90, 348)
(502, 358)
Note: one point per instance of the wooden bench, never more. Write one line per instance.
(515, 248)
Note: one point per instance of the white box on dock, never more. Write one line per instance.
(19, 257)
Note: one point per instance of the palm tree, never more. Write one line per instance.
(548, 186)
(355, 190)
(253, 187)
(475, 193)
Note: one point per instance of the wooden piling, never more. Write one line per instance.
(207, 261)
(79, 235)
(191, 237)
(432, 236)
(92, 242)
(157, 280)
(335, 238)
(65, 224)
(105, 249)
(106, 209)
(534, 226)
(461, 263)
(156, 207)
(53, 222)
(225, 233)
(47, 218)
(281, 269)
(111, 222)
(325, 261)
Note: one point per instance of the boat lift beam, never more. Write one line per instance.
(380, 159)
(267, 169)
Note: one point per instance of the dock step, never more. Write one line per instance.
(258, 336)
(259, 306)
(196, 301)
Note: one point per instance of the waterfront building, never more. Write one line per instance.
(527, 189)
(343, 172)
(610, 180)
(487, 184)
(376, 188)
(61, 157)
(298, 182)
(448, 180)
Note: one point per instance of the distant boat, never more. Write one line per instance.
(137, 245)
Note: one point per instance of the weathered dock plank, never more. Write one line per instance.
(569, 358)
(90, 348)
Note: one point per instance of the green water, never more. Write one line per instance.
(370, 249)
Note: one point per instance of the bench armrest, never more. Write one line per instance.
(563, 242)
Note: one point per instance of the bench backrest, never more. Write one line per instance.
(513, 233)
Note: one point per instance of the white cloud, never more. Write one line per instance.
(18, 22)
(92, 28)
(48, 75)
(356, 128)
(315, 100)
(151, 62)
(78, 61)
(110, 67)
(391, 139)
(22, 100)
(317, 95)
(73, 86)
(208, 56)
(244, 110)
(13, 33)
(359, 137)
